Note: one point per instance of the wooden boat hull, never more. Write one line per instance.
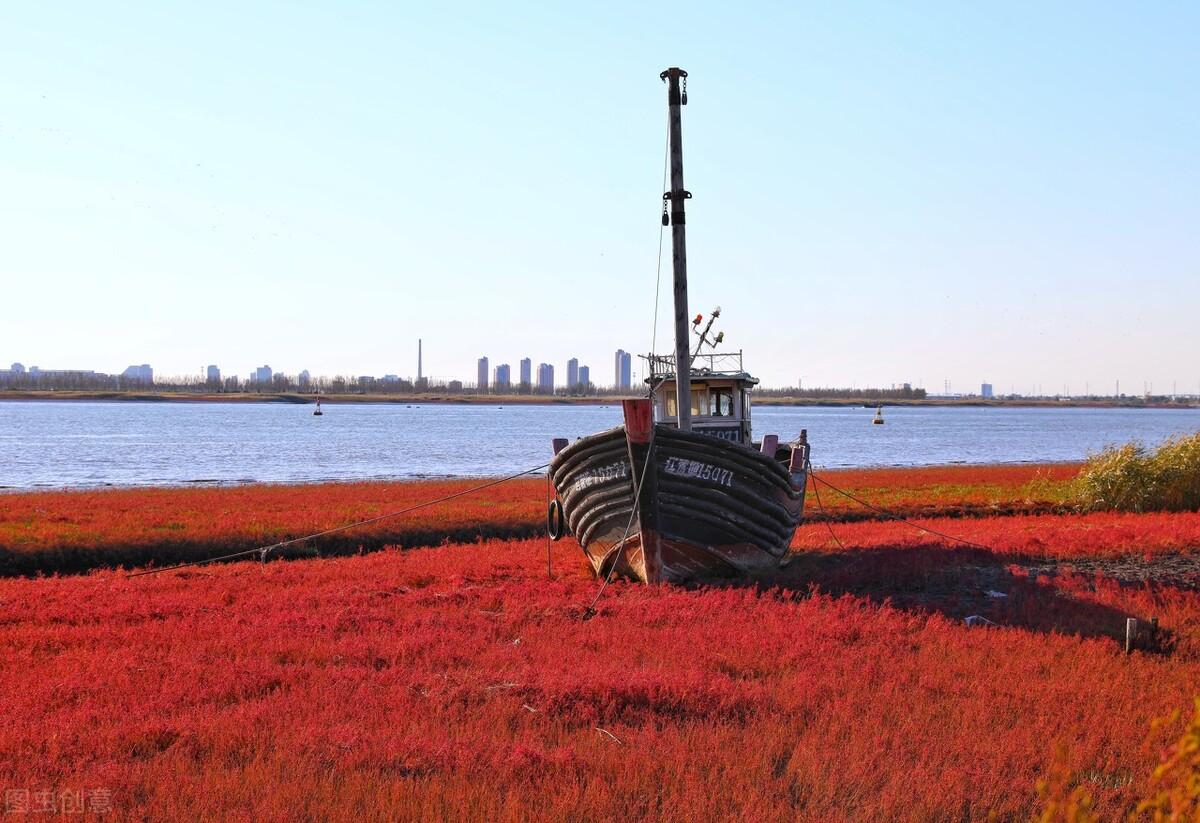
(653, 503)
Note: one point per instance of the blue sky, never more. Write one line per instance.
(882, 192)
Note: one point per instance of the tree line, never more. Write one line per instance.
(903, 393)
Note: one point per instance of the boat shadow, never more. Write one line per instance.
(964, 584)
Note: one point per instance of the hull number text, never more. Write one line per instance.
(682, 467)
(604, 474)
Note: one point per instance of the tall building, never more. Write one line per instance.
(502, 377)
(212, 375)
(304, 379)
(420, 365)
(139, 374)
(545, 384)
(526, 372)
(481, 379)
(622, 369)
(572, 372)
(262, 374)
(585, 376)
(985, 391)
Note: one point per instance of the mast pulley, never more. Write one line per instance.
(682, 75)
(676, 214)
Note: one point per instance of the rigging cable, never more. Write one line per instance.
(661, 231)
(264, 551)
(590, 611)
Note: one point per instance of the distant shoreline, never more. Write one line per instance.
(541, 400)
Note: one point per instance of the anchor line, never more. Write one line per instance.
(264, 551)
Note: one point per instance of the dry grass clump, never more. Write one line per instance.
(1175, 783)
(1135, 479)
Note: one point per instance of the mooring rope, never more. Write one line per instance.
(888, 515)
(264, 551)
(590, 611)
(821, 506)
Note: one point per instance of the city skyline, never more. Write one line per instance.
(1109, 387)
(500, 380)
(250, 373)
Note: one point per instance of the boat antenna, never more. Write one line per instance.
(703, 335)
(676, 80)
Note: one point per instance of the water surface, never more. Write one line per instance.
(49, 444)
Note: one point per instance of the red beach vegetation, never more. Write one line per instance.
(889, 672)
(460, 682)
(77, 530)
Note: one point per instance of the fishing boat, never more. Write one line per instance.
(681, 491)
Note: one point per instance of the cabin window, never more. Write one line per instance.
(699, 402)
(720, 402)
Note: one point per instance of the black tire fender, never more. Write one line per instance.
(556, 522)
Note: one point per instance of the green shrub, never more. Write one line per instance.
(1131, 478)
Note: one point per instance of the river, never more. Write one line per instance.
(88, 444)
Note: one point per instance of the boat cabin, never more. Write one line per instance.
(720, 391)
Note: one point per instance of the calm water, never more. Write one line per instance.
(132, 444)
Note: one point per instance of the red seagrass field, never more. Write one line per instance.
(461, 678)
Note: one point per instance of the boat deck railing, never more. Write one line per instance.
(712, 363)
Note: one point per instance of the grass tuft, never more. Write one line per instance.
(1134, 479)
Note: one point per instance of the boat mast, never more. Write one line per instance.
(676, 196)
